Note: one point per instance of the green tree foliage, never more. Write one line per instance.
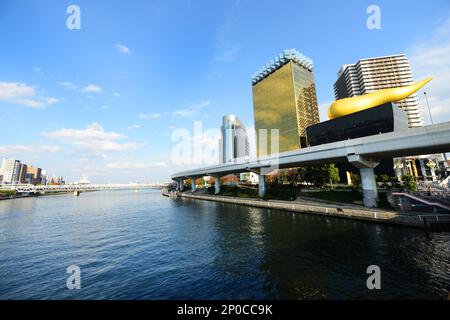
(272, 179)
(280, 192)
(211, 190)
(384, 179)
(7, 193)
(409, 183)
(333, 172)
(355, 179)
(318, 175)
(394, 181)
(200, 182)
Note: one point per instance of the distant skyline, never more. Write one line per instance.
(104, 100)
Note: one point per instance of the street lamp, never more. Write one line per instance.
(431, 118)
(428, 105)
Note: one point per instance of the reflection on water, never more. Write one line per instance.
(145, 246)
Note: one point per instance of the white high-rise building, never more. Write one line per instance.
(11, 171)
(234, 142)
(372, 74)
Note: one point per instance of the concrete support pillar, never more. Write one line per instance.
(369, 187)
(368, 182)
(181, 182)
(217, 184)
(193, 187)
(262, 185)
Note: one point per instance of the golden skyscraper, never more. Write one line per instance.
(284, 98)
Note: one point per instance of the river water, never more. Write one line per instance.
(145, 246)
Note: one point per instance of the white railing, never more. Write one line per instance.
(28, 188)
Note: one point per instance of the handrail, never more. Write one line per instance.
(438, 217)
(435, 204)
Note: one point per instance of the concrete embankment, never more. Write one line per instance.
(34, 195)
(309, 207)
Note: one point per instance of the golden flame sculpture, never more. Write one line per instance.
(347, 106)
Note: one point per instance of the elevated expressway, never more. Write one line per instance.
(364, 153)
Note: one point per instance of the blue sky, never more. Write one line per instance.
(104, 100)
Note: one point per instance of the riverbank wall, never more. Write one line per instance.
(340, 211)
(37, 195)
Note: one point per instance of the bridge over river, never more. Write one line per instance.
(28, 188)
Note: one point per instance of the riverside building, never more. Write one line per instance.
(372, 74)
(284, 99)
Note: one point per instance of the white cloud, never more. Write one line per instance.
(182, 113)
(30, 103)
(68, 85)
(106, 145)
(126, 165)
(227, 55)
(134, 165)
(149, 116)
(93, 139)
(323, 111)
(12, 90)
(15, 149)
(191, 110)
(160, 164)
(431, 57)
(92, 88)
(92, 131)
(133, 127)
(51, 101)
(123, 49)
(38, 69)
(23, 94)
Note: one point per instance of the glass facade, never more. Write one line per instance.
(285, 100)
(234, 142)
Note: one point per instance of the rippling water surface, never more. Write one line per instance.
(145, 246)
